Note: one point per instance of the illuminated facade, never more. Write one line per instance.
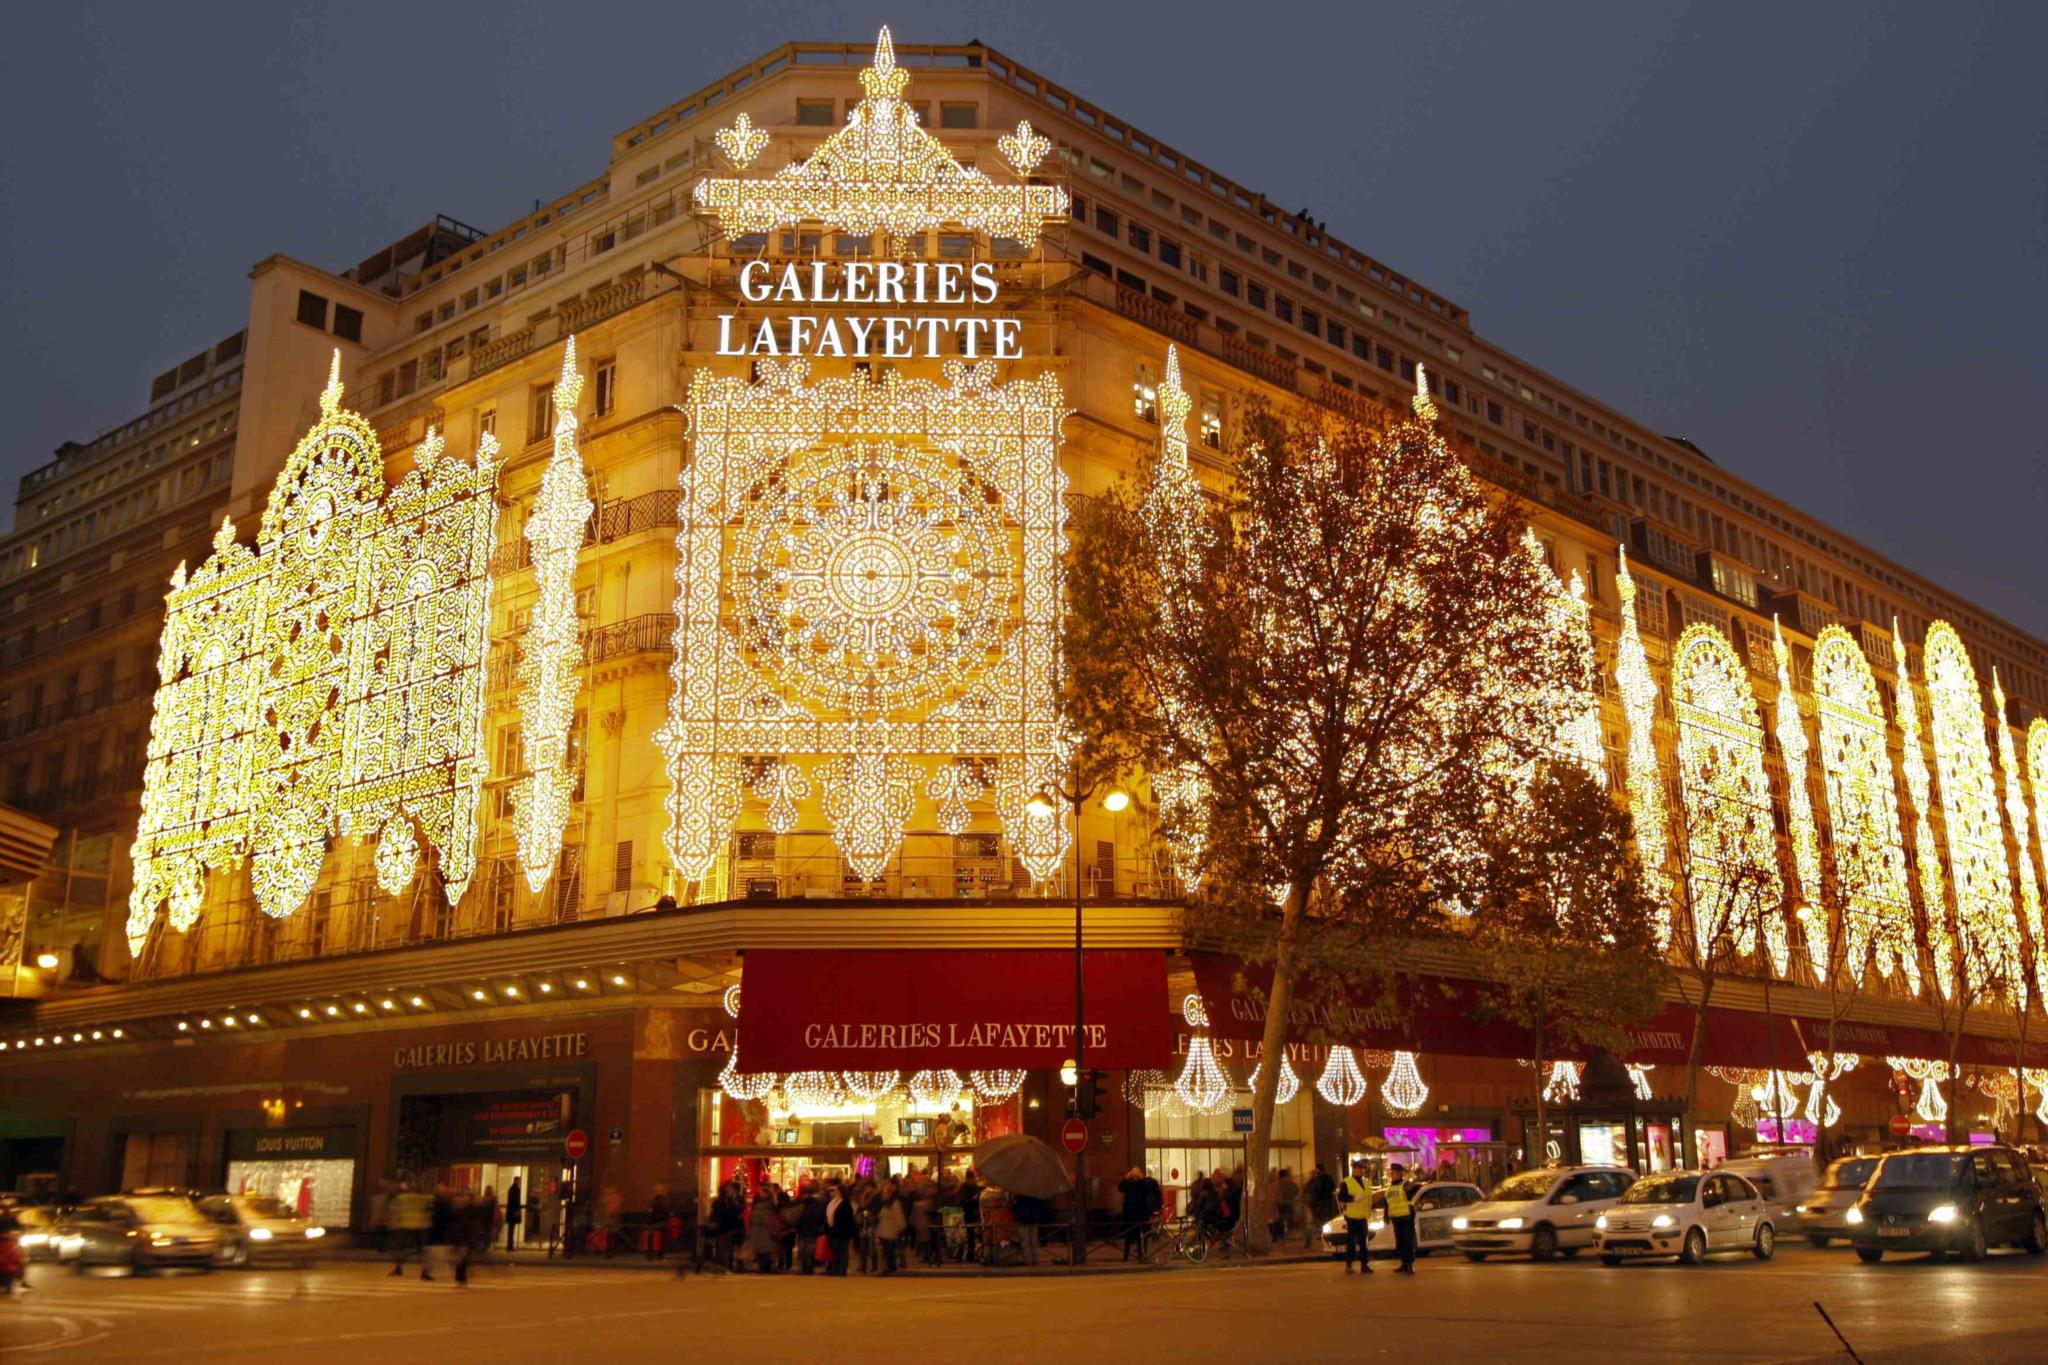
(773, 634)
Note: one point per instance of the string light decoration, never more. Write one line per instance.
(991, 1086)
(1203, 1086)
(741, 1085)
(1940, 936)
(551, 658)
(1342, 1083)
(2037, 778)
(1821, 1109)
(1732, 850)
(2022, 837)
(1639, 1076)
(2038, 1078)
(1931, 1107)
(812, 1090)
(742, 142)
(1985, 930)
(1286, 1087)
(1792, 748)
(1645, 769)
(1403, 1090)
(953, 788)
(1777, 1097)
(869, 1086)
(781, 787)
(1863, 813)
(882, 172)
(1561, 1086)
(329, 681)
(932, 1089)
(868, 578)
(1143, 1086)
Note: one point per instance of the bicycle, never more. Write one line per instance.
(1185, 1238)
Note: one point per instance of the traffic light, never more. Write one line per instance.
(1088, 1094)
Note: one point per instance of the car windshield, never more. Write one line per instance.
(1663, 1189)
(1919, 1170)
(264, 1206)
(158, 1210)
(1851, 1174)
(1527, 1185)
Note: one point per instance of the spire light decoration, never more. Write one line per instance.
(1863, 812)
(551, 660)
(329, 681)
(1985, 928)
(1919, 793)
(1792, 748)
(1403, 1090)
(1342, 1083)
(2022, 835)
(868, 575)
(1645, 772)
(1732, 855)
(882, 172)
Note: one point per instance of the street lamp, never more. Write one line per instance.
(1043, 804)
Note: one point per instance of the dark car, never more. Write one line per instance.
(1942, 1199)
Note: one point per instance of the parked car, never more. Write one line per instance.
(256, 1228)
(140, 1231)
(1783, 1178)
(1540, 1212)
(1824, 1214)
(1687, 1214)
(1941, 1199)
(1435, 1205)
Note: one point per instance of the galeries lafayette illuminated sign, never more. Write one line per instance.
(881, 336)
(539, 1047)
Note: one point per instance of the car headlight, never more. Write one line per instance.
(316, 1232)
(1376, 1225)
(159, 1241)
(1510, 1224)
(1854, 1215)
(259, 1234)
(1663, 1220)
(1799, 1208)
(1601, 1222)
(1460, 1224)
(1942, 1213)
(34, 1239)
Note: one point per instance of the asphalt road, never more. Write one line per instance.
(349, 1313)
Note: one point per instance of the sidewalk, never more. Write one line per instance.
(1103, 1262)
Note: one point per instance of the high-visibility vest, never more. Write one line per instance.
(1357, 1198)
(1397, 1201)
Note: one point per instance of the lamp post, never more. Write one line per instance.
(1043, 803)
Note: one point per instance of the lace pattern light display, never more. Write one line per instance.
(1863, 813)
(1938, 921)
(882, 172)
(1986, 931)
(1342, 1083)
(329, 681)
(551, 658)
(1732, 854)
(1792, 748)
(868, 585)
(2022, 837)
(1645, 769)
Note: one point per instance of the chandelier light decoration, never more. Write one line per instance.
(869, 1086)
(1144, 1086)
(1403, 1090)
(932, 1089)
(1286, 1087)
(1821, 1109)
(551, 658)
(1863, 813)
(813, 1090)
(1203, 1086)
(1985, 928)
(1342, 1083)
(329, 681)
(882, 172)
(1777, 1095)
(1931, 1107)
(1639, 1076)
(1938, 927)
(735, 1083)
(2038, 1078)
(1645, 771)
(1732, 854)
(1793, 749)
(1561, 1086)
(990, 1086)
(2022, 838)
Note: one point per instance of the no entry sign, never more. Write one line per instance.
(575, 1144)
(1901, 1125)
(1075, 1135)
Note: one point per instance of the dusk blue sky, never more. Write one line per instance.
(1811, 237)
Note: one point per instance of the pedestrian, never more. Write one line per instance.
(891, 1221)
(658, 1224)
(970, 1212)
(441, 1232)
(515, 1211)
(1028, 1212)
(924, 1220)
(551, 1215)
(728, 1225)
(380, 1215)
(411, 1212)
(1357, 1216)
(484, 1227)
(1285, 1194)
(1399, 1199)
(468, 1225)
(810, 1229)
(842, 1226)
(1320, 1194)
(1142, 1201)
(764, 1231)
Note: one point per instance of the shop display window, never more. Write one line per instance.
(317, 1190)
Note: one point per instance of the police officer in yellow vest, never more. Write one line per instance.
(1356, 1192)
(1399, 1199)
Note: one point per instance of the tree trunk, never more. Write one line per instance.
(1692, 1070)
(1950, 1123)
(1258, 1194)
(1542, 1081)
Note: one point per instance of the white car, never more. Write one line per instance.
(1436, 1204)
(1688, 1215)
(1540, 1212)
(1784, 1179)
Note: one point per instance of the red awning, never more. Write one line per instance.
(805, 1009)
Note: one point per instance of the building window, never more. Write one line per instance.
(957, 115)
(622, 866)
(1212, 420)
(607, 387)
(1228, 280)
(814, 113)
(1105, 221)
(1145, 394)
(312, 309)
(1283, 309)
(1255, 295)
(487, 423)
(348, 322)
(540, 412)
(1169, 251)
(1141, 238)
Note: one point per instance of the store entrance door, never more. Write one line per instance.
(497, 1181)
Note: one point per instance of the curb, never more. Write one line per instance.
(640, 1265)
